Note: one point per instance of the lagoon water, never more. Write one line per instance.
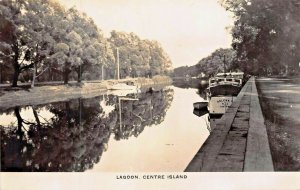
(146, 132)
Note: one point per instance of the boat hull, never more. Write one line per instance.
(122, 86)
(219, 105)
(199, 112)
(200, 105)
(122, 93)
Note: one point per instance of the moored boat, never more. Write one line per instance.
(200, 113)
(123, 86)
(222, 91)
(200, 105)
(225, 84)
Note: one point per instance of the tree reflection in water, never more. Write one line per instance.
(72, 140)
(192, 83)
(77, 133)
(150, 109)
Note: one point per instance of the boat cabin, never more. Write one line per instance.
(221, 80)
(238, 75)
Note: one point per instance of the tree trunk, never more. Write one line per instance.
(17, 69)
(20, 122)
(78, 76)
(36, 116)
(1, 74)
(34, 75)
(79, 110)
(79, 71)
(50, 74)
(67, 111)
(16, 75)
(66, 76)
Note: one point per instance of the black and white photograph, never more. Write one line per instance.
(144, 94)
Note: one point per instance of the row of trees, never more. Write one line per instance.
(266, 35)
(139, 57)
(266, 40)
(40, 39)
(219, 61)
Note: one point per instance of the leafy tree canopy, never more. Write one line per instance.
(266, 35)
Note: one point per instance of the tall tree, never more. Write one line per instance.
(12, 45)
(139, 57)
(266, 35)
(38, 31)
(27, 35)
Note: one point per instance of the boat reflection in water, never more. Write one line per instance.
(72, 135)
(216, 107)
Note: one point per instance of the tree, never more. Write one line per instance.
(83, 48)
(37, 31)
(160, 62)
(219, 61)
(265, 35)
(12, 45)
(28, 35)
(139, 57)
(41, 35)
(95, 48)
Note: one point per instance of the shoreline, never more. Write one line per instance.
(239, 141)
(57, 93)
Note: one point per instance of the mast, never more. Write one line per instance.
(120, 113)
(224, 65)
(118, 64)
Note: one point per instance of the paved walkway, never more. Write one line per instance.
(239, 141)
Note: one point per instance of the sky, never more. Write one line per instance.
(188, 30)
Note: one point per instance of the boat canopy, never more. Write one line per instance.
(231, 74)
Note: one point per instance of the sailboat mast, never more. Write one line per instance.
(118, 62)
(120, 114)
(224, 65)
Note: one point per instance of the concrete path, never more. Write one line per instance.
(239, 141)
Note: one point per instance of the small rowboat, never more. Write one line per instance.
(200, 105)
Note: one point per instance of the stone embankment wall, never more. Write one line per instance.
(239, 142)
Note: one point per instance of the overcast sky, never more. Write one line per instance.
(187, 29)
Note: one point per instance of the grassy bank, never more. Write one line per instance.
(54, 93)
(284, 149)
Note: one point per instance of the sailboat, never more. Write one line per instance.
(126, 85)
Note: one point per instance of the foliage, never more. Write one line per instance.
(139, 57)
(219, 61)
(41, 35)
(76, 132)
(266, 35)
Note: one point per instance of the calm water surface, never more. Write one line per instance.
(151, 131)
